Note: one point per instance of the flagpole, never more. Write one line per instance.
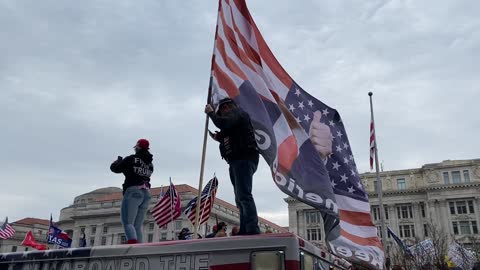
(379, 181)
(205, 133)
(171, 209)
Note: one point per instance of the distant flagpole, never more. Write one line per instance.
(205, 133)
(373, 143)
(171, 209)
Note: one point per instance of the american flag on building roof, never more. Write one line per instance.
(167, 208)
(282, 113)
(6, 230)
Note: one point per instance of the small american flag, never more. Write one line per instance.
(372, 143)
(206, 203)
(6, 231)
(168, 207)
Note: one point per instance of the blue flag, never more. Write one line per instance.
(399, 242)
(57, 236)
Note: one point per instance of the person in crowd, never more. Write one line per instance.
(235, 231)
(239, 148)
(212, 234)
(137, 169)
(221, 230)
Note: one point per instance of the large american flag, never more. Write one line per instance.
(283, 114)
(168, 207)
(206, 203)
(6, 231)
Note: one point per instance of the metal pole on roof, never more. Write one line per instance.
(379, 181)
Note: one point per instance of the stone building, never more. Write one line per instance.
(39, 228)
(97, 214)
(442, 196)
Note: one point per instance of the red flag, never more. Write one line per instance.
(168, 207)
(30, 241)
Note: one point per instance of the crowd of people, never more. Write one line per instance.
(218, 230)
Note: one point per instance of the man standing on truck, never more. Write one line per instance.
(239, 148)
(137, 169)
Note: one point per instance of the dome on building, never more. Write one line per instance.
(95, 194)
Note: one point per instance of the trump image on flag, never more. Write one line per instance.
(302, 139)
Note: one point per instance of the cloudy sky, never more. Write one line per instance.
(81, 81)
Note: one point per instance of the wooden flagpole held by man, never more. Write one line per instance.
(373, 144)
(205, 134)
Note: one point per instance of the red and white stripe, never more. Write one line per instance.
(167, 208)
(241, 54)
(6, 232)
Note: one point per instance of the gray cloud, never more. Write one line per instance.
(80, 82)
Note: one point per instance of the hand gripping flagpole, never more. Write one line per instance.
(205, 133)
(379, 182)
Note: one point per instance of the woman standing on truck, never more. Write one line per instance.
(137, 169)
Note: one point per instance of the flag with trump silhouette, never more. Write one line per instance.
(302, 139)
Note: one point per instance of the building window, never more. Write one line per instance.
(94, 230)
(465, 227)
(380, 232)
(401, 185)
(151, 226)
(452, 207)
(150, 237)
(92, 241)
(446, 178)
(404, 211)
(456, 178)
(14, 248)
(122, 239)
(407, 231)
(163, 236)
(312, 217)
(104, 240)
(455, 227)
(466, 176)
(470, 207)
(375, 213)
(425, 230)
(82, 230)
(105, 229)
(422, 209)
(314, 234)
(40, 232)
(461, 207)
(178, 225)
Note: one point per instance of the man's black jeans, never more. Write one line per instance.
(241, 175)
